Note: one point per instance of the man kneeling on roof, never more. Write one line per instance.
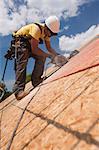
(28, 39)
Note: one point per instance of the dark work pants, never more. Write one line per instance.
(23, 54)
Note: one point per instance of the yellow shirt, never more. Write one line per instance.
(34, 31)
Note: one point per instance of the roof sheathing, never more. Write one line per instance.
(87, 58)
(62, 115)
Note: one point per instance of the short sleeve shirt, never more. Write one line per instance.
(34, 31)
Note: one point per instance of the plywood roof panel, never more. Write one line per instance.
(60, 114)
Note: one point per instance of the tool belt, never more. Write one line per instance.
(15, 44)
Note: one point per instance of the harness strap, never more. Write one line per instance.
(40, 40)
(29, 37)
(39, 27)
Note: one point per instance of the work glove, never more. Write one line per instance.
(58, 60)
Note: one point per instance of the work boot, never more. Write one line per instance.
(36, 82)
(21, 95)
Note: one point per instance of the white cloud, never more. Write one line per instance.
(13, 16)
(75, 42)
(64, 28)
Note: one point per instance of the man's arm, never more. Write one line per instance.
(36, 50)
(50, 49)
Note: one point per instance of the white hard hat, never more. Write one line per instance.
(53, 24)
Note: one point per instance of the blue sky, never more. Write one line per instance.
(79, 23)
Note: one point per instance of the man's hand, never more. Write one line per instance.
(59, 60)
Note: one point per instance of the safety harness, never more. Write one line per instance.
(40, 40)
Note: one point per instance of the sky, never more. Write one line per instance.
(79, 23)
